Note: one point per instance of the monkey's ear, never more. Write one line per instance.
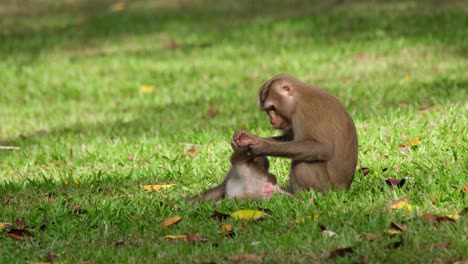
(287, 88)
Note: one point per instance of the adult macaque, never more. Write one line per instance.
(318, 134)
(248, 178)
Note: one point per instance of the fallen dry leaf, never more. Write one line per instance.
(175, 237)
(396, 228)
(339, 252)
(219, 216)
(171, 221)
(402, 203)
(464, 211)
(157, 187)
(365, 171)
(5, 225)
(51, 257)
(195, 238)
(249, 257)
(117, 7)
(432, 218)
(19, 234)
(190, 152)
(20, 223)
(212, 112)
(226, 228)
(373, 236)
(395, 182)
(130, 157)
(146, 89)
(248, 215)
(303, 219)
(445, 244)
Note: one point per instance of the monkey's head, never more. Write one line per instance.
(277, 97)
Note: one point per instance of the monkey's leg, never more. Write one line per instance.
(309, 175)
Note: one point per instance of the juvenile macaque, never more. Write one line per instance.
(248, 178)
(318, 134)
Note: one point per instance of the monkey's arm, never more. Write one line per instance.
(303, 150)
(210, 195)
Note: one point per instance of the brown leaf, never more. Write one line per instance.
(130, 157)
(394, 182)
(19, 234)
(249, 257)
(433, 200)
(445, 244)
(171, 221)
(41, 133)
(45, 222)
(171, 44)
(435, 219)
(397, 227)
(373, 236)
(340, 252)
(226, 228)
(195, 238)
(345, 78)
(464, 211)
(365, 171)
(190, 152)
(361, 56)
(20, 223)
(219, 216)
(212, 112)
(465, 188)
(361, 259)
(51, 257)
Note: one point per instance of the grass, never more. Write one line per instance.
(70, 78)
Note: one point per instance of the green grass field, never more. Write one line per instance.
(99, 98)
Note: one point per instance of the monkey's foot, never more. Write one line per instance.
(244, 139)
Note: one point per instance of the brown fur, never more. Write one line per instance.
(319, 135)
(248, 178)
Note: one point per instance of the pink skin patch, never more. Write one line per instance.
(268, 190)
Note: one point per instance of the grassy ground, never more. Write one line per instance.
(102, 98)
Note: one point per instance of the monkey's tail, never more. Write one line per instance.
(209, 195)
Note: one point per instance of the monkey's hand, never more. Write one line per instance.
(243, 138)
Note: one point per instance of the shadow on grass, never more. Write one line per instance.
(166, 122)
(324, 21)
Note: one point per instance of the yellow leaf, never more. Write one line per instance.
(4, 225)
(248, 214)
(76, 181)
(171, 220)
(65, 182)
(412, 142)
(409, 207)
(402, 203)
(454, 216)
(176, 237)
(147, 89)
(393, 231)
(303, 219)
(226, 228)
(118, 7)
(407, 77)
(157, 187)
